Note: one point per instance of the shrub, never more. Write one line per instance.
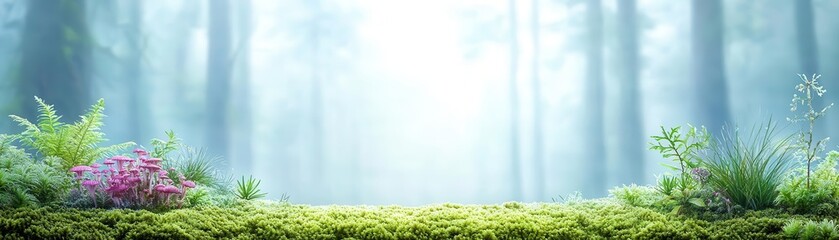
(798, 229)
(74, 144)
(25, 182)
(749, 169)
(824, 187)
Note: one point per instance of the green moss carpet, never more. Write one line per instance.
(594, 219)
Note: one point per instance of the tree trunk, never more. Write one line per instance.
(137, 113)
(244, 156)
(515, 160)
(56, 55)
(630, 139)
(218, 79)
(596, 157)
(316, 99)
(538, 159)
(709, 65)
(806, 37)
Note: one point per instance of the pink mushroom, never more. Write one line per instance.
(168, 191)
(155, 161)
(121, 160)
(185, 185)
(108, 162)
(140, 152)
(80, 170)
(90, 185)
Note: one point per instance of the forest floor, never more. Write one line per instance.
(587, 219)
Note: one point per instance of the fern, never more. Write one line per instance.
(75, 144)
(163, 148)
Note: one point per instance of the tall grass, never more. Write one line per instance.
(748, 169)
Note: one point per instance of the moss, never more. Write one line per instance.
(597, 219)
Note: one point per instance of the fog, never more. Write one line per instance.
(418, 102)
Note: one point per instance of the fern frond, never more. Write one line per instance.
(112, 150)
(85, 132)
(163, 148)
(48, 120)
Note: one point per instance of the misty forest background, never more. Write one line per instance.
(418, 102)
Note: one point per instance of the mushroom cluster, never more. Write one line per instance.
(136, 183)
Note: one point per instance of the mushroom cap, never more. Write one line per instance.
(90, 183)
(189, 184)
(117, 188)
(170, 189)
(159, 187)
(108, 162)
(95, 165)
(154, 160)
(81, 169)
(151, 167)
(134, 179)
(140, 151)
(121, 158)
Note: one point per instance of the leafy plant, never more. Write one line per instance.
(794, 194)
(75, 144)
(749, 169)
(249, 189)
(195, 164)
(25, 182)
(798, 229)
(808, 150)
(679, 148)
(667, 184)
(162, 148)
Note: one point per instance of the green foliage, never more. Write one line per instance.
(638, 196)
(667, 184)
(248, 189)
(197, 166)
(798, 229)
(749, 169)
(808, 148)
(679, 148)
(794, 194)
(161, 148)
(75, 144)
(259, 220)
(24, 182)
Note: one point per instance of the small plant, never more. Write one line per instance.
(638, 196)
(794, 194)
(249, 189)
(681, 149)
(74, 144)
(162, 148)
(749, 169)
(195, 164)
(798, 229)
(570, 198)
(808, 148)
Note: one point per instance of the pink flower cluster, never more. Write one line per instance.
(137, 182)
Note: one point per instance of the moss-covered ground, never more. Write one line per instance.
(593, 219)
